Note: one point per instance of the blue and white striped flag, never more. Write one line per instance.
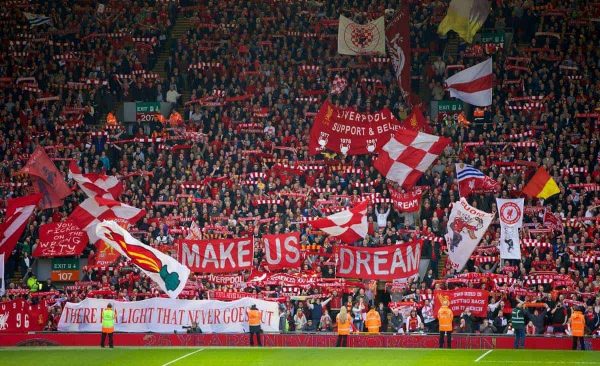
(37, 19)
(471, 180)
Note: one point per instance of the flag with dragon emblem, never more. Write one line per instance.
(170, 275)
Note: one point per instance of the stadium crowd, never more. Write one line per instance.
(256, 75)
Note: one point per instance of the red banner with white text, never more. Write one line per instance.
(282, 251)
(20, 316)
(60, 239)
(347, 131)
(382, 263)
(406, 202)
(217, 255)
(464, 298)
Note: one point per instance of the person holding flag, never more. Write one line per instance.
(108, 325)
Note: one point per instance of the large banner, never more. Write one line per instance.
(19, 316)
(406, 202)
(382, 263)
(60, 239)
(361, 39)
(397, 35)
(511, 220)
(349, 132)
(282, 251)
(217, 255)
(162, 315)
(466, 227)
(460, 299)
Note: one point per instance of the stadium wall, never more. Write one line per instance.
(287, 340)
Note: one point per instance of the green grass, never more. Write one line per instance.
(86, 356)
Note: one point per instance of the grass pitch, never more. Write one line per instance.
(171, 356)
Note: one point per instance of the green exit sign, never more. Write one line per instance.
(65, 264)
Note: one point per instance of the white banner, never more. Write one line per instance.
(2, 274)
(466, 227)
(164, 315)
(359, 39)
(511, 220)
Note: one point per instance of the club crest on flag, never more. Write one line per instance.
(145, 259)
(358, 37)
(510, 213)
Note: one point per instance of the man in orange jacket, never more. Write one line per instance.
(577, 327)
(373, 321)
(445, 317)
(254, 324)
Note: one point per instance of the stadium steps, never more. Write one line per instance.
(182, 25)
(452, 45)
(442, 264)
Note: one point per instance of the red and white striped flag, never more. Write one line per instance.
(348, 225)
(194, 232)
(18, 212)
(405, 157)
(96, 184)
(94, 210)
(473, 85)
(338, 85)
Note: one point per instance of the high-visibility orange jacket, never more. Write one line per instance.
(445, 317)
(253, 317)
(343, 328)
(373, 321)
(577, 324)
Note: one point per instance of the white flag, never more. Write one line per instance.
(361, 39)
(473, 85)
(511, 220)
(2, 274)
(466, 227)
(170, 275)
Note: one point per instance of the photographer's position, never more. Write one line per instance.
(194, 328)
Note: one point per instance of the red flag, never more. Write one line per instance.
(397, 37)
(47, 179)
(552, 221)
(18, 212)
(417, 121)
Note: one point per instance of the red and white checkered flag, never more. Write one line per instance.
(96, 184)
(94, 210)
(405, 157)
(338, 85)
(348, 225)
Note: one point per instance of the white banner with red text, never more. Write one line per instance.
(164, 315)
(382, 263)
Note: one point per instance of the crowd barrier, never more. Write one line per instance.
(289, 340)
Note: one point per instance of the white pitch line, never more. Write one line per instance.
(182, 357)
(544, 362)
(483, 355)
